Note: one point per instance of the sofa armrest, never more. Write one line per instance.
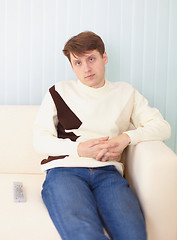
(151, 168)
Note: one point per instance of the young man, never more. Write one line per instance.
(83, 126)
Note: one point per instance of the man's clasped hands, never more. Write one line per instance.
(104, 149)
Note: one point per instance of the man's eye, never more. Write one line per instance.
(78, 63)
(91, 59)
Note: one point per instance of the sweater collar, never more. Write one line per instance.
(92, 90)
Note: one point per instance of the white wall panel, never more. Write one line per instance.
(113, 40)
(36, 51)
(149, 51)
(171, 91)
(125, 40)
(140, 38)
(11, 51)
(161, 61)
(137, 36)
(2, 51)
(24, 51)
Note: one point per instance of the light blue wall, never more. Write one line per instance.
(140, 38)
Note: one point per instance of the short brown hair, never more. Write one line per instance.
(83, 42)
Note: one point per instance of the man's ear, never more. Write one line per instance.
(105, 57)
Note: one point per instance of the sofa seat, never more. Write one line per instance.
(28, 220)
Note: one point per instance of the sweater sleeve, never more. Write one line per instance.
(148, 122)
(45, 138)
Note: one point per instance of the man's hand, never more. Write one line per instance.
(103, 149)
(112, 153)
(93, 147)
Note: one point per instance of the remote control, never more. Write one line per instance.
(19, 195)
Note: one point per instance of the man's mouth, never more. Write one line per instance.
(90, 76)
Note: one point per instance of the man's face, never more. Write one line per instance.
(90, 68)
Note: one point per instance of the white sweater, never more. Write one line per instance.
(81, 113)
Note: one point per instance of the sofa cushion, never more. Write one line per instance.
(17, 154)
(28, 220)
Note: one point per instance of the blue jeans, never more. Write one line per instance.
(81, 201)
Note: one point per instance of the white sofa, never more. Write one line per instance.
(151, 167)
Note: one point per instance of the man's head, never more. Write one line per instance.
(86, 53)
(82, 43)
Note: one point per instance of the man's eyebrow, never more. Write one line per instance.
(90, 56)
(77, 58)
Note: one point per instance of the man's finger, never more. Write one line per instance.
(97, 141)
(101, 154)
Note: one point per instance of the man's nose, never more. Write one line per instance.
(86, 67)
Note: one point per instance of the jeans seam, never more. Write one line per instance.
(59, 222)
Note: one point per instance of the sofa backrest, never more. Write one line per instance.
(17, 154)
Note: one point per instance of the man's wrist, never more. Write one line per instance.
(128, 138)
(79, 150)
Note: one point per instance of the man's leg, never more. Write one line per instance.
(71, 205)
(118, 206)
